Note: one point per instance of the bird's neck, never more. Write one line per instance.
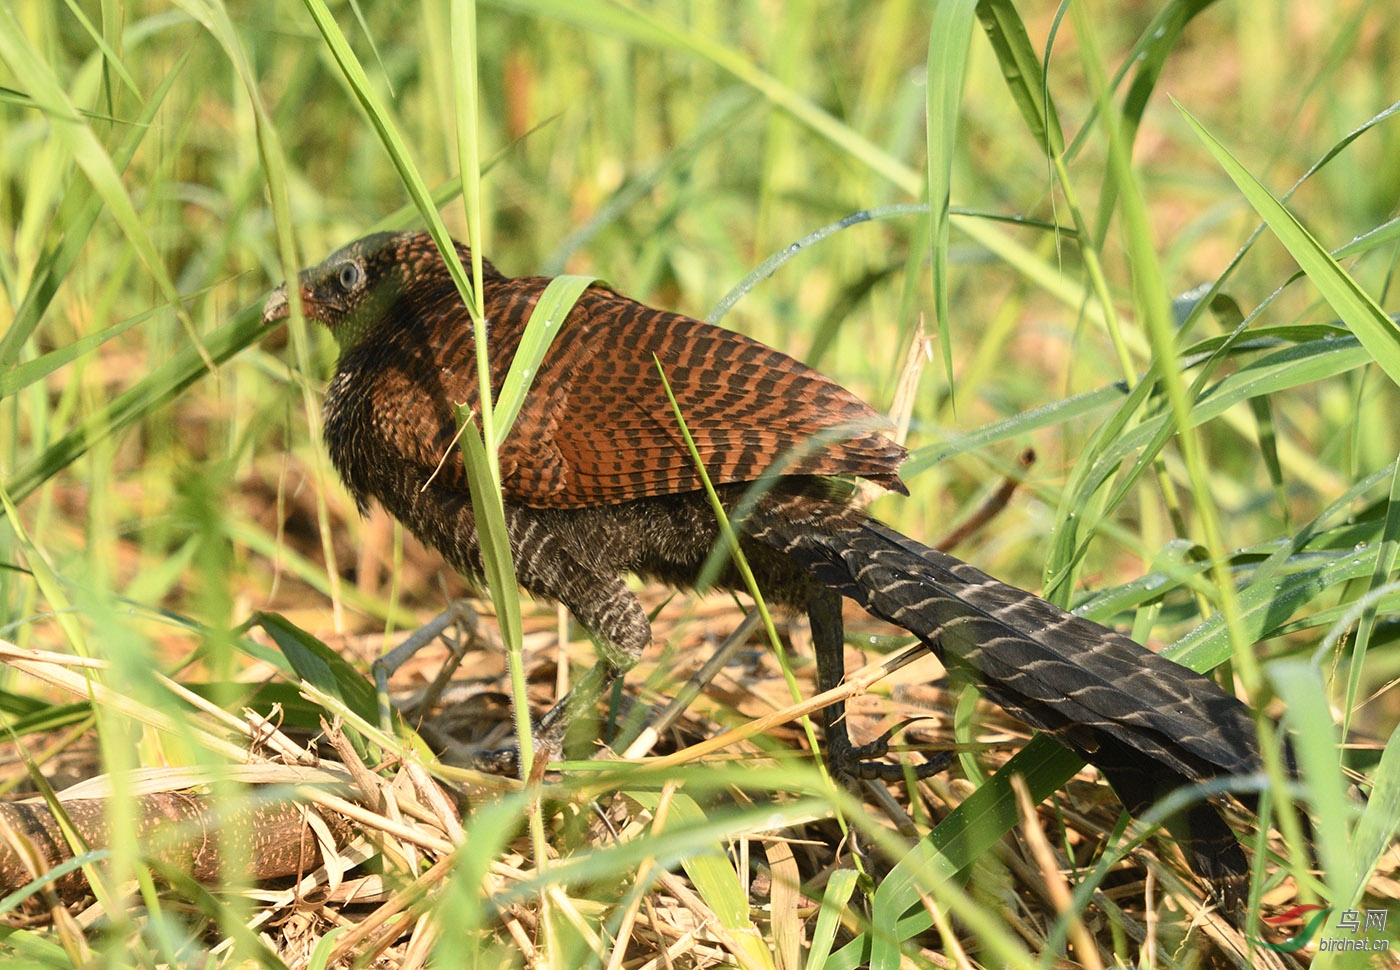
(351, 331)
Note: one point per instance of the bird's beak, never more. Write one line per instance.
(276, 307)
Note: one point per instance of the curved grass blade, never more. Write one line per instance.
(950, 35)
(396, 148)
(151, 393)
(834, 899)
(77, 214)
(546, 320)
(70, 126)
(22, 375)
(1022, 71)
(1357, 309)
(714, 878)
(770, 265)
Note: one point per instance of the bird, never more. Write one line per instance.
(598, 484)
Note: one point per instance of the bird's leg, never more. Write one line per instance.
(550, 729)
(615, 617)
(846, 759)
(621, 631)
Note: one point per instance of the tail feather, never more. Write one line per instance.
(1054, 670)
(1148, 724)
(1209, 844)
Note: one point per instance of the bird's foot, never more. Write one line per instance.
(495, 761)
(863, 761)
(506, 761)
(547, 734)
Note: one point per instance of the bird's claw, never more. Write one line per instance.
(863, 761)
(496, 761)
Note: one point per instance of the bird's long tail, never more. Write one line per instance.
(1148, 724)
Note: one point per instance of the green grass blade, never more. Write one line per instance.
(969, 831)
(13, 900)
(22, 375)
(463, 906)
(466, 91)
(1385, 567)
(499, 569)
(1149, 55)
(1265, 605)
(109, 56)
(950, 35)
(712, 873)
(729, 545)
(1022, 71)
(834, 899)
(1112, 446)
(48, 581)
(1154, 306)
(770, 265)
(1374, 833)
(394, 144)
(1051, 415)
(150, 394)
(1357, 309)
(1315, 739)
(69, 125)
(546, 320)
(327, 671)
(77, 214)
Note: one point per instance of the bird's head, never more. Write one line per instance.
(359, 285)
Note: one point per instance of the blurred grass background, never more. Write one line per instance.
(158, 451)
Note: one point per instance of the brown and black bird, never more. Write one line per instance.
(598, 484)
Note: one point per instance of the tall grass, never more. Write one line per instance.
(1212, 403)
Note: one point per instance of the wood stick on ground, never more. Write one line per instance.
(194, 833)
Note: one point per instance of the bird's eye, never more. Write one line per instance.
(351, 275)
